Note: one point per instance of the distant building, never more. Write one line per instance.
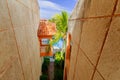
(46, 31)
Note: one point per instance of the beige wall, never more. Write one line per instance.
(95, 40)
(19, 46)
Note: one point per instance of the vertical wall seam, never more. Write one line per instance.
(15, 39)
(27, 45)
(78, 45)
(77, 51)
(77, 48)
(29, 54)
(31, 69)
(34, 24)
(105, 38)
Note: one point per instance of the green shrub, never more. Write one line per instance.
(44, 68)
(46, 61)
(58, 75)
(43, 77)
(45, 65)
(62, 63)
(59, 64)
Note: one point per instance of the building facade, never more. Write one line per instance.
(46, 31)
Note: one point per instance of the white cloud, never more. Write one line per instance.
(50, 5)
(48, 9)
(47, 13)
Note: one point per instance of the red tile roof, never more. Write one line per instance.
(46, 28)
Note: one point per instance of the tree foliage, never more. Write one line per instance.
(61, 21)
(56, 38)
(45, 65)
(59, 66)
(44, 77)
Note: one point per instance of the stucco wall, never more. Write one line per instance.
(95, 29)
(19, 46)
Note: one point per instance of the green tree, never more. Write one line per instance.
(56, 38)
(61, 21)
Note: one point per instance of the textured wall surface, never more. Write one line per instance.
(95, 29)
(19, 46)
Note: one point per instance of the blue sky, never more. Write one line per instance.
(50, 7)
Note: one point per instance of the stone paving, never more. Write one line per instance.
(51, 71)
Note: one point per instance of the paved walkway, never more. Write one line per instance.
(51, 71)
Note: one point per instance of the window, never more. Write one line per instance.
(45, 41)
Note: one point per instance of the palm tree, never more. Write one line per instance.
(61, 21)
